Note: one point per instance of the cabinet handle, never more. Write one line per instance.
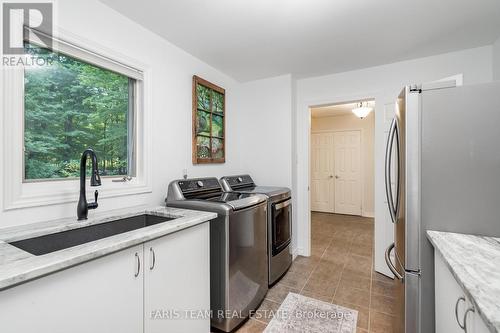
(460, 299)
(153, 256)
(471, 309)
(138, 260)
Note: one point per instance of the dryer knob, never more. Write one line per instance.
(199, 183)
(239, 179)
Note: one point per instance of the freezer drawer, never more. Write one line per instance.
(412, 302)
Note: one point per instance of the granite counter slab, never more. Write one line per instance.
(474, 261)
(18, 266)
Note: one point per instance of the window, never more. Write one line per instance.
(70, 105)
(62, 100)
(208, 122)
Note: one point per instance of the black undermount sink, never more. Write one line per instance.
(65, 239)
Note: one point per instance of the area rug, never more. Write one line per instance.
(298, 314)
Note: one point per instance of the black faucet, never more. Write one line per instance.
(95, 180)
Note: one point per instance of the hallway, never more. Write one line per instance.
(339, 271)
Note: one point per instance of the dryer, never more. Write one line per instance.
(279, 221)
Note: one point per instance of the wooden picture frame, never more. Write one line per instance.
(209, 122)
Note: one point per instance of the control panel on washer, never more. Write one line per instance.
(239, 180)
(199, 184)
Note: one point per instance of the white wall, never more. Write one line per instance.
(382, 83)
(265, 130)
(496, 60)
(264, 106)
(367, 127)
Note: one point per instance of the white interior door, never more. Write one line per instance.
(348, 172)
(322, 167)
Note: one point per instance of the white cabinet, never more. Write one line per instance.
(176, 283)
(118, 292)
(103, 295)
(452, 304)
(447, 293)
(476, 324)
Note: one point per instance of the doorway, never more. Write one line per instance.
(342, 159)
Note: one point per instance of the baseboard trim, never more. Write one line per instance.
(363, 213)
(368, 214)
(302, 252)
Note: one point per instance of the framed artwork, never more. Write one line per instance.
(209, 133)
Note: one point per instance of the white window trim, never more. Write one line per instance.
(18, 194)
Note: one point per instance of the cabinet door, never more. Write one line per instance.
(102, 295)
(475, 323)
(177, 280)
(447, 293)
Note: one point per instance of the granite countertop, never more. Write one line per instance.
(474, 261)
(18, 266)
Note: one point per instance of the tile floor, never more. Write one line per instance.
(340, 271)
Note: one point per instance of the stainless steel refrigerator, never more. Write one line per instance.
(442, 173)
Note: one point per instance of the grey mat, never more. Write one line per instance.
(303, 314)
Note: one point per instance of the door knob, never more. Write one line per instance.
(331, 176)
(336, 177)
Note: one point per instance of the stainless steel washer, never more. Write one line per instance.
(279, 221)
(238, 246)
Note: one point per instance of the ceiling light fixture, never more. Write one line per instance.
(362, 110)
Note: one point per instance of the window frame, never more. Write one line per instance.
(19, 193)
(131, 114)
(195, 159)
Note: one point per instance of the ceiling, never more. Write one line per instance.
(252, 39)
(338, 110)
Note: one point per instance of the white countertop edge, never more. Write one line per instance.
(25, 266)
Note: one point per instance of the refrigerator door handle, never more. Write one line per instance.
(389, 263)
(393, 135)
